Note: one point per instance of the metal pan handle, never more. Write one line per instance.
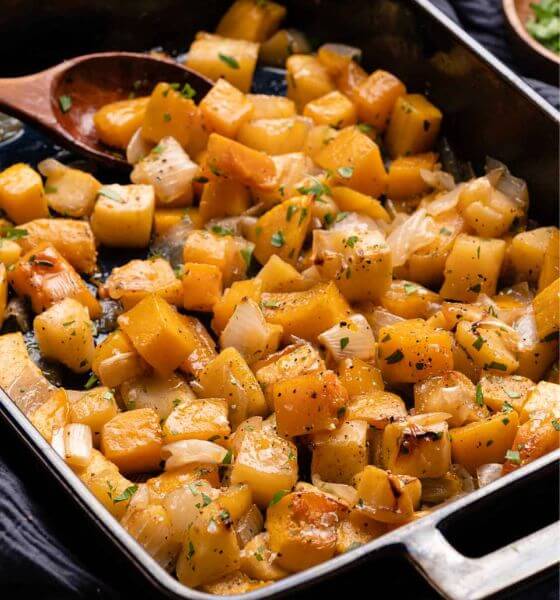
(458, 577)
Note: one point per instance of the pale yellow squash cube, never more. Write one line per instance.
(528, 252)
(70, 192)
(250, 20)
(202, 286)
(340, 454)
(65, 333)
(550, 270)
(225, 109)
(472, 268)
(92, 407)
(318, 137)
(267, 463)
(228, 376)
(405, 180)
(279, 276)
(333, 109)
(216, 56)
(223, 197)
(123, 215)
(10, 252)
(21, 194)
(307, 79)
(275, 136)
(115, 360)
(497, 390)
(414, 125)
(271, 107)
(52, 415)
(205, 419)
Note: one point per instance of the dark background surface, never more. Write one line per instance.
(49, 550)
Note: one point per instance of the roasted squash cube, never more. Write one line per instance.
(10, 252)
(340, 454)
(550, 270)
(414, 125)
(223, 198)
(70, 192)
(210, 549)
(65, 333)
(355, 161)
(115, 360)
(204, 419)
(472, 268)
(46, 278)
(336, 57)
(201, 347)
(92, 407)
(279, 276)
(484, 441)
(267, 463)
(409, 300)
(133, 440)
(226, 305)
(387, 497)
(376, 97)
(412, 350)
(547, 311)
(249, 20)
(202, 286)
(419, 447)
(53, 414)
(169, 113)
(275, 136)
(21, 194)
(228, 376)
(302, 528)
(309, 403)
(225, 109)
(157, 333)
(306, 314)
(350, 200)
(359, 377)
(271, 107)
(72, 238)
(350, 78)
(276, 50)
(137, 279)
(282, 230)
(104, 481)
(307, 79)
(123, 215)
(498, 391)
(528, 252)
(405, 180)
(227, 158)
(332, 109)
(216, 56)
(115, 123)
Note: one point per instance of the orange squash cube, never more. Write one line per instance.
(309, 403)
(250, 20)
(132, 440)
(547, 310)
(223, 197)
(404, 179)
(169, 113)
(271, 107)
(355, 161)
(116, 122)
(332, 109)
(306, 314)
(202, 286)
(157, 332)
(359, 377)
(336, 57)
(201, 347)
(376, 96)
(226, 305)
(350, 78)
(410, 351)
(115, 360)
(350, 200)
(46, 277)
(202, 419)
(92, 407)
(227, 158)
(307, 79)
(225, 109)
(275, 136)
(414, 125)
(21, 194)
(277, 49)
(165, 218)
(216, 56)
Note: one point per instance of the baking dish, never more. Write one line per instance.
(510, 122)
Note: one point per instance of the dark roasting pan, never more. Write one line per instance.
(461, 548)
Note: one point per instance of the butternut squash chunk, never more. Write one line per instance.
(307, 79)
(376, 96)
(116, 122)
(253, 21)
(275, 136)
(21, 194)
(225, 109)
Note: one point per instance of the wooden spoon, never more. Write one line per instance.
(89, 81)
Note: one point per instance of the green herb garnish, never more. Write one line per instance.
(228, 60)
(65, 103)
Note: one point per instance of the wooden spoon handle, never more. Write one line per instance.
(29, 97)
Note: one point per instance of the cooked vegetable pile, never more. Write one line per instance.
(329, 336)
(544, 24)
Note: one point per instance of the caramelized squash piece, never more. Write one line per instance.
(252, 21)
(333, 109)
(307, 79)
(225, 109)
(115, 360)
(376, 96)
(202, 286)
(276, 136)
(116, 122)
(204, 419)
(547, 311)
(92, 407)
(405, 180)
(21, 194)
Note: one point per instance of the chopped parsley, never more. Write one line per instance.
(291, 210)
(220, 230)
(65, 103)
(396, 357)
(13, 233)
(166, 117)
(410, 288)
(227, 458)
(91, 382)
(126, 495)
(228, 60)
(278, 496)
(556, 424)
(344, 342)
(345, 172)
(479, 395)
(277, 239)
(497, 366)
(513, 456)
(246, 254)
(351, 241)
(479, 342)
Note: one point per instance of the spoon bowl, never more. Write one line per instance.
(89, 81)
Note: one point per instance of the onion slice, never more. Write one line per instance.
(138, 148)
(352, 338)
(185, 452)
(74, 443)
(343, 492)
(486, 474)
(415, 233)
